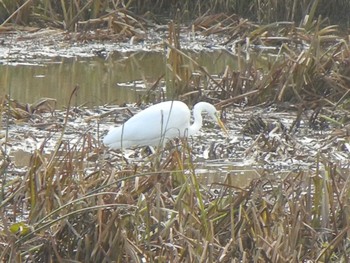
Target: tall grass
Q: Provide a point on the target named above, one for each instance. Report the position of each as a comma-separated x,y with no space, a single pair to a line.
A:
67,208
77,204
281,62
65,13
80,203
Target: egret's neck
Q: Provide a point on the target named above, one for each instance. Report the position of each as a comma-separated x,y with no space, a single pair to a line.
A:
198,120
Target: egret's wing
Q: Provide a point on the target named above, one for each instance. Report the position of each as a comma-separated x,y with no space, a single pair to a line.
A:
149,126
154,122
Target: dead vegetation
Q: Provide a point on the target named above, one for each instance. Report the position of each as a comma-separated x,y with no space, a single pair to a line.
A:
69,206
66,14
277,64
79,203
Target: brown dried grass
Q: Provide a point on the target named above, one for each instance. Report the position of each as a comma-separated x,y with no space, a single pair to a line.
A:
59,211
66,14
74,204
78,204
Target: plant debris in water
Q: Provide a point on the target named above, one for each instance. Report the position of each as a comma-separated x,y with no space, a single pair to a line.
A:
66,198
76,201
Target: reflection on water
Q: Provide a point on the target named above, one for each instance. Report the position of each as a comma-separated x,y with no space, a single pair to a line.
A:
236,174
101,80
230,175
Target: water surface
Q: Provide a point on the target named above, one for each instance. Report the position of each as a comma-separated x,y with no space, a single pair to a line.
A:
120,78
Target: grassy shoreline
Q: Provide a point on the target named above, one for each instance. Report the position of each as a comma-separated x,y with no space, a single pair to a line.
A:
76,204
66,14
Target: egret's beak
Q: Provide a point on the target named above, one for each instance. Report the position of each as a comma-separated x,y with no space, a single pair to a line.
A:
221,124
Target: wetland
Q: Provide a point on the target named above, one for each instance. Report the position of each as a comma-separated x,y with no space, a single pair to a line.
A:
283,93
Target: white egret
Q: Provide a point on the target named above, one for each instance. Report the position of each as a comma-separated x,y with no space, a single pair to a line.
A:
159,123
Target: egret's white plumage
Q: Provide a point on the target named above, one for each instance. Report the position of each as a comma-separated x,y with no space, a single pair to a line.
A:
159,123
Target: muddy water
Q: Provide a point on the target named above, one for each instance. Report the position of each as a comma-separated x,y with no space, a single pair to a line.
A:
116,79
236,176
119,78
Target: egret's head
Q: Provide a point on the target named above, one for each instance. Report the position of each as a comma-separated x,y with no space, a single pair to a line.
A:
215,115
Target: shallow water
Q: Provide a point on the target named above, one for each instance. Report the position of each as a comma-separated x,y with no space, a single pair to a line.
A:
123,77
116,79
